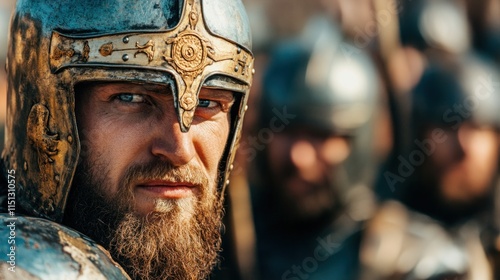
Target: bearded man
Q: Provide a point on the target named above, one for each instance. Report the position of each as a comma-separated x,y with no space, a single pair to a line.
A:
123,118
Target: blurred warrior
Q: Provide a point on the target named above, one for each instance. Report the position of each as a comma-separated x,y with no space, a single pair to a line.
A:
445,181
319,94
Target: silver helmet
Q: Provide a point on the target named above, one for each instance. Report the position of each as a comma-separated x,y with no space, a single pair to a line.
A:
323,80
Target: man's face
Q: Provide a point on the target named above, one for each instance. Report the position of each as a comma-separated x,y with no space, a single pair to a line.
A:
302,164
144,189
464,166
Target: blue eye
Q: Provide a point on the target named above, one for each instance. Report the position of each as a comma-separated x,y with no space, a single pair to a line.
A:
207,103
131,98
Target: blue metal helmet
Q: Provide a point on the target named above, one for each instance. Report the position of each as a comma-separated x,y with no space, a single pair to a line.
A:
54,45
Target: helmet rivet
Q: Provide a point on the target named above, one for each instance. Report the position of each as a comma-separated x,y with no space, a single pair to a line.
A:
125,57
239,50
126,39
227,182
246,107
253,70
231,167
236,68
70,139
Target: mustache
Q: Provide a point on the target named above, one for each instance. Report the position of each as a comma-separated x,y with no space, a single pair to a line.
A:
162,170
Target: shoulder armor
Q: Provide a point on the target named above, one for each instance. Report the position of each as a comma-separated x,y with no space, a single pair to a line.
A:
41,249
401,244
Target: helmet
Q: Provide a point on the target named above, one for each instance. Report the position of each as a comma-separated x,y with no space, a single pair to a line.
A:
55,45
322,80
36,249
435,24
453,91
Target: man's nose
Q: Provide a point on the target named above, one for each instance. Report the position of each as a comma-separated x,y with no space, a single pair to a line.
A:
172,144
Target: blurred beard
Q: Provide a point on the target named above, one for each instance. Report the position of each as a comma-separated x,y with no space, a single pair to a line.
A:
425,195
315,207
180,242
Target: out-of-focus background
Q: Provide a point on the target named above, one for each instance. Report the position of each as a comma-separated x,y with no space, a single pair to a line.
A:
6,7
394,156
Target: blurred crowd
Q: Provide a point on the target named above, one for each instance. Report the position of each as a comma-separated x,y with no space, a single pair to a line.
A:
371,145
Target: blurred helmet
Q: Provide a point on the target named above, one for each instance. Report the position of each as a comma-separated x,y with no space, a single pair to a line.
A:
54,45
450,92
322,80
435,24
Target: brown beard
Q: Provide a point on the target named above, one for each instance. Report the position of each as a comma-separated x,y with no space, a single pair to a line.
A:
161,245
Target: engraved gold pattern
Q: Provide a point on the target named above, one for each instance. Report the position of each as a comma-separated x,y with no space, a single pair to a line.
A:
188,53
148,49
86,51
106,49
39,134
59,52
46,145
189,58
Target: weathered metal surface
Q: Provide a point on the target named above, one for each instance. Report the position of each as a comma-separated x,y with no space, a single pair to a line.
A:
42,249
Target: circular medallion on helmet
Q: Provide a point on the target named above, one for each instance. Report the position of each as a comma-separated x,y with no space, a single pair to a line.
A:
189,52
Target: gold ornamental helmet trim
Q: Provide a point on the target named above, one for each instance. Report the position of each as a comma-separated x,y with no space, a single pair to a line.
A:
188,51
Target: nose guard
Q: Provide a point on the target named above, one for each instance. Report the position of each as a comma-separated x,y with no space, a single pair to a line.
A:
190,52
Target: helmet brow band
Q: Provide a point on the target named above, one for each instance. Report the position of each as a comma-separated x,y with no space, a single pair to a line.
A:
189,51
